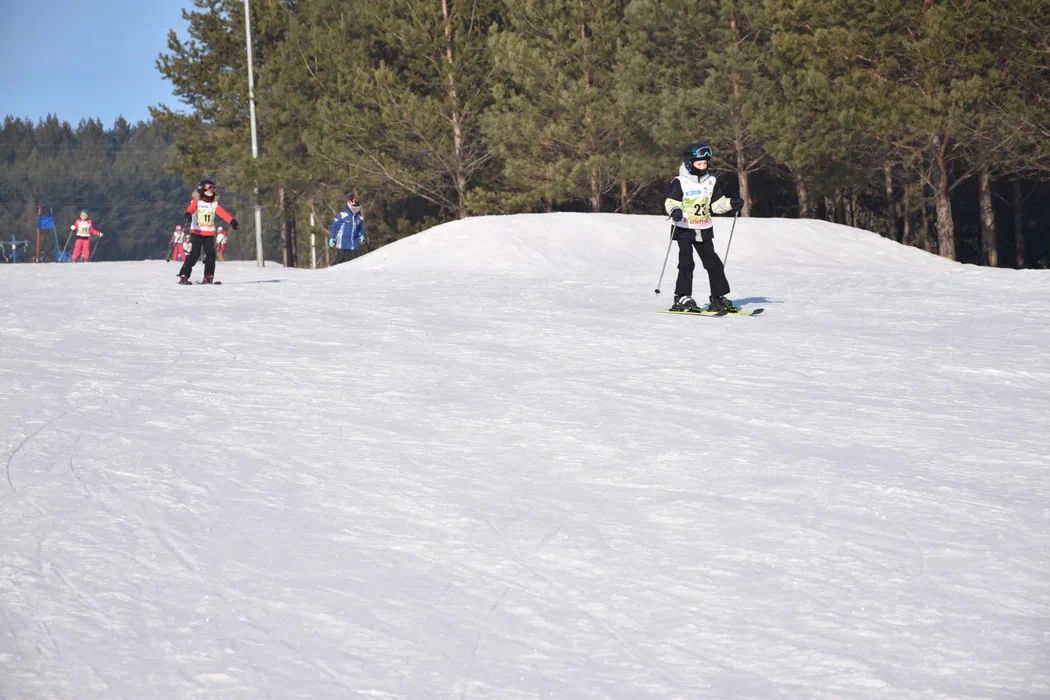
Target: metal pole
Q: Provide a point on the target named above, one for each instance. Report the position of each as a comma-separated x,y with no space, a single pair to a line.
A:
39,210
255,138
725,258
666,256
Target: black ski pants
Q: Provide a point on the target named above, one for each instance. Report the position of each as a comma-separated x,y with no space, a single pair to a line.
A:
705,248
198,242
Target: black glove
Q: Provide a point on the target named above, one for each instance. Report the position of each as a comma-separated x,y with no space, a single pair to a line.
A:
234,225
736,203
676,215
187,218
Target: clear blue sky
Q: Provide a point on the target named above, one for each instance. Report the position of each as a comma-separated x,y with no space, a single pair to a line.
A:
86,58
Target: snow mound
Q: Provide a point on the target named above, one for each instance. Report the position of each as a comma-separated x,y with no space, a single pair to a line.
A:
477,464
547,244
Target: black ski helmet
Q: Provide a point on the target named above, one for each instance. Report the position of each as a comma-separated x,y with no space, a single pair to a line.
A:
694,152
203,185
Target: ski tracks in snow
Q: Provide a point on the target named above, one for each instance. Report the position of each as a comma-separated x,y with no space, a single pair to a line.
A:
21,445
563,590
125,391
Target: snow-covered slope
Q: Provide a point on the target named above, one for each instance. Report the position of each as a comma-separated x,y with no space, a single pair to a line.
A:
475,463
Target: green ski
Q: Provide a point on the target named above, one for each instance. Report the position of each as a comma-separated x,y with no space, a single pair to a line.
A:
705,312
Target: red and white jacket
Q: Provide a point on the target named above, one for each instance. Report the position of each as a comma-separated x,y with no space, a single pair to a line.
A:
204,214
85,228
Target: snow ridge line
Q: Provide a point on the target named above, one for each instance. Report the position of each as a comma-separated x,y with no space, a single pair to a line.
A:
25,441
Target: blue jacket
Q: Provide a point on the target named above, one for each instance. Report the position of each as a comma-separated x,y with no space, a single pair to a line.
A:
348,230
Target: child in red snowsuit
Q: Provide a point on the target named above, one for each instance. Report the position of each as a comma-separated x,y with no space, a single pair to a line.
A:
85,229
176,253
200,217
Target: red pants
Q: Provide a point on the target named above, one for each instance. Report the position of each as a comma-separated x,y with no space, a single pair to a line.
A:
83,245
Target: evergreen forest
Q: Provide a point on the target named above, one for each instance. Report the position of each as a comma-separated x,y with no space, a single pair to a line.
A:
927,121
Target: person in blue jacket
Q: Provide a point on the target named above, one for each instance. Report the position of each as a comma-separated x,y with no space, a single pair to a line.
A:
347,233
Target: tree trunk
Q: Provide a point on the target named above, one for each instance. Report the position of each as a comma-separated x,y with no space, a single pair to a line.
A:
594,182
288,242
742,174
323,237
837,207
802,189
1017,198
596,191
455,116
284,230
907,236
293,239
820,209
943,201
744,182
625,186
929,243
989,231
891,203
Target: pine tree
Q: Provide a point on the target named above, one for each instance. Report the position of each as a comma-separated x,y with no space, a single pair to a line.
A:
562,128
407,84
1019,108
709,66
811,123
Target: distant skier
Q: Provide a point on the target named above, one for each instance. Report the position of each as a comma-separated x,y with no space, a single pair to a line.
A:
84,229
175,250
200,218
691,199
347,232
221,239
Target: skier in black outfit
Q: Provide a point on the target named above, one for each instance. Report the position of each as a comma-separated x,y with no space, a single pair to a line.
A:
691,199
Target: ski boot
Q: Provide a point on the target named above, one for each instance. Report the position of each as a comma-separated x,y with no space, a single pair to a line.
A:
684,303
184,279
209,279
721,305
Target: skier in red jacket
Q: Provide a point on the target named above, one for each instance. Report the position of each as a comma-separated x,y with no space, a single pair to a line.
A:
200,218
85,229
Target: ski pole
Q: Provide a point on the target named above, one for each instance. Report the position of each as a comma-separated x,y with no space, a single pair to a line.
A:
68,238
666,256
725,258
94,250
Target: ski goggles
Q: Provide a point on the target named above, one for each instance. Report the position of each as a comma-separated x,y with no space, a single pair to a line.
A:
701,153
